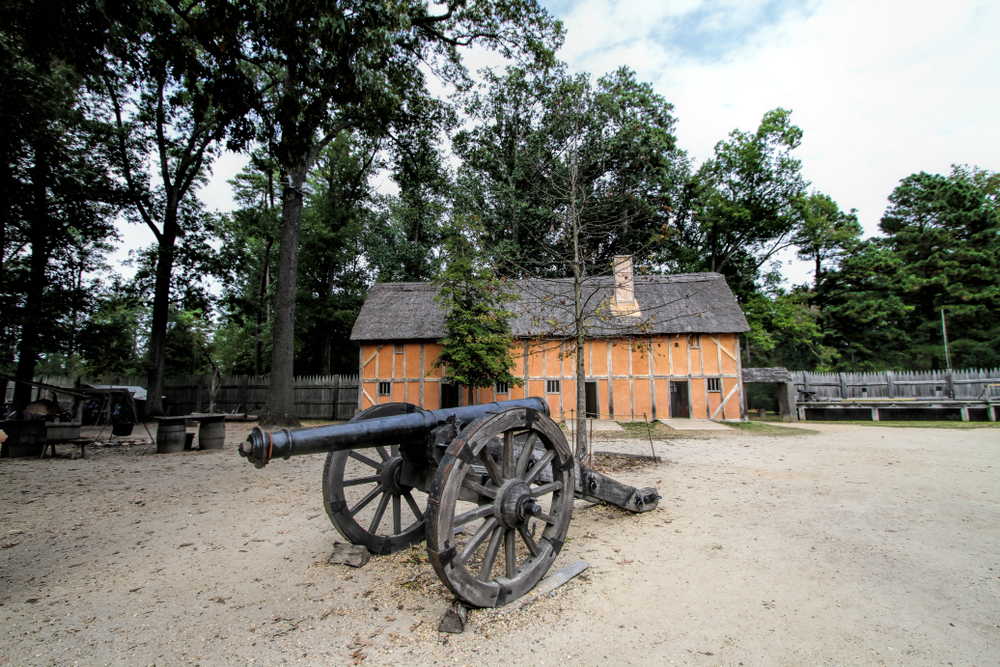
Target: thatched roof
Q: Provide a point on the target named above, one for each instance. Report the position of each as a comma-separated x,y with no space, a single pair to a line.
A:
676,304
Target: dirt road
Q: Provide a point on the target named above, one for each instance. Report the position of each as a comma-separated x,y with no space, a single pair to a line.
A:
844,545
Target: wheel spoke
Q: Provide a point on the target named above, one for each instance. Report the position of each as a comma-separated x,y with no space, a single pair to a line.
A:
547,518
473,485
491,466
477,539
510,553
528,541
362,480
417,514
539,467
382,453
544,489
367,461
508,454
472,515
379,511
397,516
491,554
526,451
367,499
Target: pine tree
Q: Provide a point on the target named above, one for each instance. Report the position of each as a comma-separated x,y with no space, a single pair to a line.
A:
477,345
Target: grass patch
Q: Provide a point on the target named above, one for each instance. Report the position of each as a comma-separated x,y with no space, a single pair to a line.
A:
762,428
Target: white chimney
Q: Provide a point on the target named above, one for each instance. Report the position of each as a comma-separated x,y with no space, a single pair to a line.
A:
624,303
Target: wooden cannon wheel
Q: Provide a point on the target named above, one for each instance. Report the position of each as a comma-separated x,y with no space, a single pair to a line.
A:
500,506
373,475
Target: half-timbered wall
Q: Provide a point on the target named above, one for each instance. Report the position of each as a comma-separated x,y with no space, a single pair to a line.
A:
632,379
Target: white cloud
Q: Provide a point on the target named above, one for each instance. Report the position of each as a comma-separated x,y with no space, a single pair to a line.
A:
881,89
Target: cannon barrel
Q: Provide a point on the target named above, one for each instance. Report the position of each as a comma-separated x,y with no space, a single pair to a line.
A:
411,428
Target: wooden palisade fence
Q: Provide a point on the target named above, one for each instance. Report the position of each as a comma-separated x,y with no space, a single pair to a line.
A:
961,385
316,396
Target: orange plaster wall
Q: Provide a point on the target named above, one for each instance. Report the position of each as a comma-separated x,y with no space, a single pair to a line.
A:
729,363
696,360
619,361
369,369
697,397
431,353
641,397
517,354
600,360
640,360
384,360
412,361
623,404
678,348
711,352
372,389
661,362
535,351
662,399
552,367
398,392
733,405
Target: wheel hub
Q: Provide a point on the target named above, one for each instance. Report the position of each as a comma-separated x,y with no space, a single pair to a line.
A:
391,470
515,504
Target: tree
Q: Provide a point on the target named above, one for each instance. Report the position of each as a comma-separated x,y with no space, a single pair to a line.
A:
743,205
826,235
940,252
566,175
56,213
476,349
172,101
323,67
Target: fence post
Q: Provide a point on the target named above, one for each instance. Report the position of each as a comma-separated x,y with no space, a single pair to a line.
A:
843,385
950,376
890,384
336,395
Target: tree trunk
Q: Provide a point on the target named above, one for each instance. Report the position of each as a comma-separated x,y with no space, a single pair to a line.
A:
280,407
265,284
27,355
161,309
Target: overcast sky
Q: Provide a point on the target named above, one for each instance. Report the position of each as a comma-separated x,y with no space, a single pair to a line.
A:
881,88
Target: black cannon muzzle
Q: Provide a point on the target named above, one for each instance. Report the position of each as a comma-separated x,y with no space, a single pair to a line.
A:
401,429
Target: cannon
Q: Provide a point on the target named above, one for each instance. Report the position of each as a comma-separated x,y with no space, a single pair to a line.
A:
489,487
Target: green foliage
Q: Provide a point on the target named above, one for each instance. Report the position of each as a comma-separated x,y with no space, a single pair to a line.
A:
556,162
476,349
742,206
941,251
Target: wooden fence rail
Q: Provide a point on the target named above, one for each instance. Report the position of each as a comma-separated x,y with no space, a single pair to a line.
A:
316,396
967,384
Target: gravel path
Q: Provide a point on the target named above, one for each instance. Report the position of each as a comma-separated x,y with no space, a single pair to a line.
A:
847,545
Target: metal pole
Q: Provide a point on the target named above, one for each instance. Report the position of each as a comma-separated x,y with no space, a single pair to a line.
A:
944,332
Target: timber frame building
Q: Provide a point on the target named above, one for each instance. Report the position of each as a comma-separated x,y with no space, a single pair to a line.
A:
656,347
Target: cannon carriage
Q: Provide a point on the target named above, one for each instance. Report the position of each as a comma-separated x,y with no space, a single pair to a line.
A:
489,487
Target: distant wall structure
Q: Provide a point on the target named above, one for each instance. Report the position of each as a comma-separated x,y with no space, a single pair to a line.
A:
333,397
966,395
786,388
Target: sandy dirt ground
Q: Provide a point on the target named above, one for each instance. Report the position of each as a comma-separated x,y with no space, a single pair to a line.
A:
839,545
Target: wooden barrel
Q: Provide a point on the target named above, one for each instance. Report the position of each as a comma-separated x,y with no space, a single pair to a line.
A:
212,433
170,435
24,438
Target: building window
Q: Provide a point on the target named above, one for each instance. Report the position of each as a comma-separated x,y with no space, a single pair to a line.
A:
694,340
398,347
384,388
503,388
552,386
715,384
